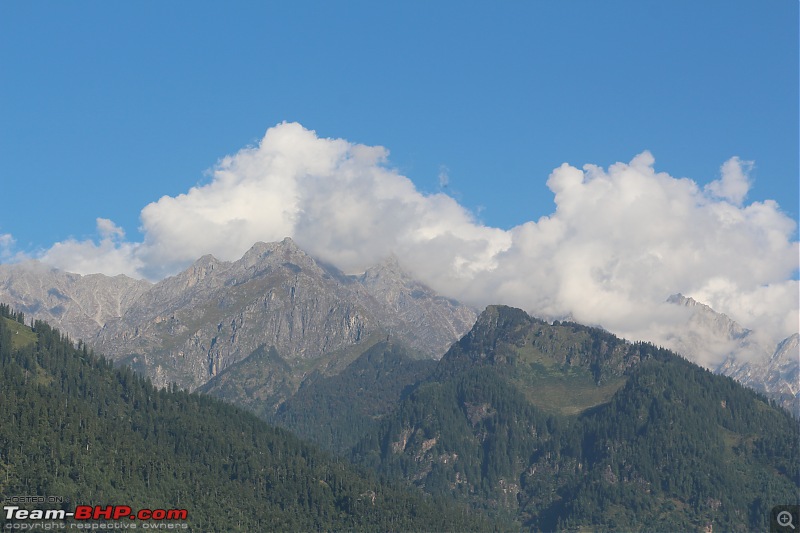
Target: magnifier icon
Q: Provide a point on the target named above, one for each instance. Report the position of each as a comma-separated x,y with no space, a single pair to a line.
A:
785,519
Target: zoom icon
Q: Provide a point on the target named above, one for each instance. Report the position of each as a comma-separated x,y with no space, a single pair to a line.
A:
784,518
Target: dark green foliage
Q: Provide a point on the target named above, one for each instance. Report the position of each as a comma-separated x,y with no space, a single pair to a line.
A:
74,426
334,411
676,449
7,312
468,437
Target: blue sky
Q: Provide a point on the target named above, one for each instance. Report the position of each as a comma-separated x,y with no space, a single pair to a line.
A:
106,107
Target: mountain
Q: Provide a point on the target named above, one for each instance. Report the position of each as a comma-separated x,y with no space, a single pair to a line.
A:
731,350
79,305
77,428
189,327
330,401
710,337
414,312
562,426
334,411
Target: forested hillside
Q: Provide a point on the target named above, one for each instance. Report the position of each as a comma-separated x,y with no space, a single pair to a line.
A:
335,411
77,428
567,427
532,426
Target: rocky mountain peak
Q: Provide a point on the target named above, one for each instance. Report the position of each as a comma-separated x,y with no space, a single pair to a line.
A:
263,249
208,262
212,315
680,299
501,317
388,268
200,270
436,321
497,323
388,278
788,346
285,252
709,321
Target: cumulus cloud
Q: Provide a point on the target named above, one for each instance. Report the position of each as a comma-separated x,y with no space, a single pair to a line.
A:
110,256
620,241
734,183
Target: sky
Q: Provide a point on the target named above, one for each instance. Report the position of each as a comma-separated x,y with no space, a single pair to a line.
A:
572,158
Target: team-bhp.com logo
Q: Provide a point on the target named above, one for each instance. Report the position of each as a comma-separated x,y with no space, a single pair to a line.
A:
117,512
87,512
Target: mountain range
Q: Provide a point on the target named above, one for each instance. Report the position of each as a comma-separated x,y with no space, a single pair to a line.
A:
192,327
188,328
530,424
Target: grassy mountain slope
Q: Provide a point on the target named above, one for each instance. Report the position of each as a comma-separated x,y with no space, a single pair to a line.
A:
562,368
76,427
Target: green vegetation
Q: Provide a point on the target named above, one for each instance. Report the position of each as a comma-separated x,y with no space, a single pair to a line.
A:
15,322
677,448
21,336
659,443
76,427
536,426
335,411
263,380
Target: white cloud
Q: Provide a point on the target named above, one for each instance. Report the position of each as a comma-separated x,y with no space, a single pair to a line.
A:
110,256
620,241
734,183
108,230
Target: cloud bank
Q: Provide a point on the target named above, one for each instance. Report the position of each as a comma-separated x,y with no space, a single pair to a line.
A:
620,241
